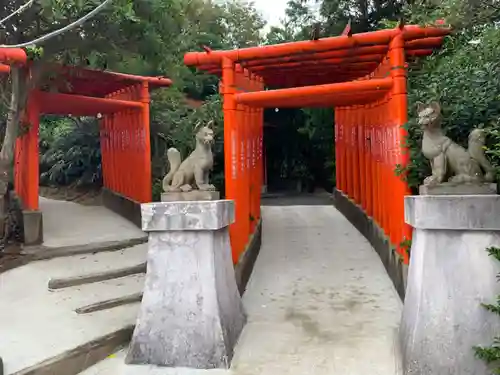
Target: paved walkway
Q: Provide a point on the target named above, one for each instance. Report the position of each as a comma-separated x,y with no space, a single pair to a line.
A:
68,223
319,302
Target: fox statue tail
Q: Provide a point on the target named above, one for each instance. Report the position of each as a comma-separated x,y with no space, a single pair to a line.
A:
477,141
174,161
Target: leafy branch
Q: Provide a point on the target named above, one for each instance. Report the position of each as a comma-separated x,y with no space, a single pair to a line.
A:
491,354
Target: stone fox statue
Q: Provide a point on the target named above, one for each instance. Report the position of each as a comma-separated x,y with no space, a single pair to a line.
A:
194,171
448,158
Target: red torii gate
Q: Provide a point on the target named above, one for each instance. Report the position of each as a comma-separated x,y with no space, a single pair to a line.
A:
363,76
122,103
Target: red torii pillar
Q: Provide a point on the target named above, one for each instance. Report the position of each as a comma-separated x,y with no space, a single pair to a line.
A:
243,151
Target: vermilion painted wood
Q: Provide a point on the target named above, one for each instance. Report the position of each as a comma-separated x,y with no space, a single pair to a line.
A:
425,45
125,138
381,37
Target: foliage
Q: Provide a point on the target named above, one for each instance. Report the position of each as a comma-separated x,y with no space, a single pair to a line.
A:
218,25
460,14
173,125
139,37
463,77
493,149
365,15
70,152
405,245
491,354
299,147
318,127
123,29
309,154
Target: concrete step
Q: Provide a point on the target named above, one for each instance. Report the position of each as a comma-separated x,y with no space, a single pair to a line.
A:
41,333
77,359
83,264
89,268
88,294
59,283
42,252
110,303
115,365
72,224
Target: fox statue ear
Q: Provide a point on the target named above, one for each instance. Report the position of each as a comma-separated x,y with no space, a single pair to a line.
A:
210,124
420,106
197,126
435,107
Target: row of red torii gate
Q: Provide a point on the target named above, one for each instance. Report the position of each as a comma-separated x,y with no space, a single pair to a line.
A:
362,76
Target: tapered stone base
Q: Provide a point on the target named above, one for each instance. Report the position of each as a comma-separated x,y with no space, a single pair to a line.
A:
450,275
191,313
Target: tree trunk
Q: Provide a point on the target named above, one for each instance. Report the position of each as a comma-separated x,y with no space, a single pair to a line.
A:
13,116
363,20
18,97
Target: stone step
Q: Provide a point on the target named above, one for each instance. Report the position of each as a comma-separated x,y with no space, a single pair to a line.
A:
115,365
80,296
41,330
86,268
110,303
77,359
53,341
44,252
88,278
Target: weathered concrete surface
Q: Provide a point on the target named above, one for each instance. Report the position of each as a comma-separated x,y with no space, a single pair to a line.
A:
33,227
123,206
448,188
115,365
319,302
191,312
244,268
78,359
453,212
394,265
67,223
187,216
193,195
37,324
450,275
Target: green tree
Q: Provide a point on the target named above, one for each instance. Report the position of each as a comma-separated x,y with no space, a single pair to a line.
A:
121,30
196,23
365,15
462,76
222,25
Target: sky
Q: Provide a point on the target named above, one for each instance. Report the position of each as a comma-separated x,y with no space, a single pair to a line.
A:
272,10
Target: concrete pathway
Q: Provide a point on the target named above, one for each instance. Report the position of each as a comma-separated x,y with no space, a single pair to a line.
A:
319,302
68,223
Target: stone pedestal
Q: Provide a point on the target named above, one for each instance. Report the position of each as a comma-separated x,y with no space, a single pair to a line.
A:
191,314
450,275
33,227
449,188
193,195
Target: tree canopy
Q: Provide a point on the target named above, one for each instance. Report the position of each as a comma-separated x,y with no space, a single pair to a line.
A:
146,37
